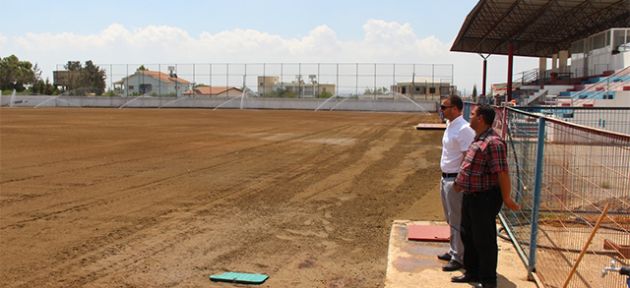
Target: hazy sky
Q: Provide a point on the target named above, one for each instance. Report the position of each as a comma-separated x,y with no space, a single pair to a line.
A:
347,31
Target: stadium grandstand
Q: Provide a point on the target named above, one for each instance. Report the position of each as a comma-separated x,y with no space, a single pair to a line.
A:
567,137
588,43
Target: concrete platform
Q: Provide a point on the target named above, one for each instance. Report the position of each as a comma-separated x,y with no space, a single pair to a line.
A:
414,264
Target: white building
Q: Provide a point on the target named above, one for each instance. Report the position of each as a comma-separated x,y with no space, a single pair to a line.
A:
600,53
152,83
271,85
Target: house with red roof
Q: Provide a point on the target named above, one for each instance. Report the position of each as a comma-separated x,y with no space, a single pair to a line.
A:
153,83
205,90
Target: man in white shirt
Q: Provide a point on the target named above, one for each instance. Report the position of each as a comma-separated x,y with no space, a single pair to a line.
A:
455,142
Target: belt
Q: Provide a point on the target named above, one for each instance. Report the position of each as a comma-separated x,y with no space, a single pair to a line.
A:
449,175
483,192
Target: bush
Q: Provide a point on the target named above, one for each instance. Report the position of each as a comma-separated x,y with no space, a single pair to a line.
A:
325,94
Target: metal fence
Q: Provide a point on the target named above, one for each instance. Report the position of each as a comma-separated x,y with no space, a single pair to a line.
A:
348,79
564,176
616,119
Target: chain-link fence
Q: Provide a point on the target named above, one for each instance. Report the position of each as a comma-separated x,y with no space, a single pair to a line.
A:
565,176
309,86
274,79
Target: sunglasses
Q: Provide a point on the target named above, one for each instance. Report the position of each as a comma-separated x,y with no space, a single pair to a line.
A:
444,107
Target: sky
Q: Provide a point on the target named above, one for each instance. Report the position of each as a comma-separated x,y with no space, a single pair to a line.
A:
51,33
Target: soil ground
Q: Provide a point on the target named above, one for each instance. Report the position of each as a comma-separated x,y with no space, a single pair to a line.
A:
165,198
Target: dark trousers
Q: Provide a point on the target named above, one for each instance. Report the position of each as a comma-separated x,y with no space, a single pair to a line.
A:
479,234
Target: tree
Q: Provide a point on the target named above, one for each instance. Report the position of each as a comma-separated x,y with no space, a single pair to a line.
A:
44,88
94,77
83,80
474,93
14,74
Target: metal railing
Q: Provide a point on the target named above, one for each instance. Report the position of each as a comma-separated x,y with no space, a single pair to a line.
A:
616,119
565,175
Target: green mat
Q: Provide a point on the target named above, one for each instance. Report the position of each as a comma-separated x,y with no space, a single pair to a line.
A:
236,277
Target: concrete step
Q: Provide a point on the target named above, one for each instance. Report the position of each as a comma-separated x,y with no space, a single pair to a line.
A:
414,264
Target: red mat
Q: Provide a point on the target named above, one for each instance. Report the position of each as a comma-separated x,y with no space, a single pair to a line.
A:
436,233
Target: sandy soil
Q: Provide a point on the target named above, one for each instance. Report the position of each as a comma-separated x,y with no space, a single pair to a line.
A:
165,198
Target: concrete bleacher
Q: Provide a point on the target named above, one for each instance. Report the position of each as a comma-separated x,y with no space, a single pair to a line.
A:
601,87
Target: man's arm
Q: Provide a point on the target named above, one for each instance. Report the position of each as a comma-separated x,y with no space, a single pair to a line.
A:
456,187
506,187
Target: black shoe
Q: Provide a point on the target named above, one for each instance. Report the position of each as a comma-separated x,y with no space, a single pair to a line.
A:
485,285
445,257
452,266
465,278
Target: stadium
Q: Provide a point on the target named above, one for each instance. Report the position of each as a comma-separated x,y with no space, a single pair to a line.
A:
307,172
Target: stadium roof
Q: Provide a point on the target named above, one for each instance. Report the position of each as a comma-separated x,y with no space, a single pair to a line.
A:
537,28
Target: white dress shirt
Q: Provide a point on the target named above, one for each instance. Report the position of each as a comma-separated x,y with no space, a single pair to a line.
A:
455,142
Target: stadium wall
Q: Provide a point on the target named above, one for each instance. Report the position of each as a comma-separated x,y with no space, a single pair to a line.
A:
337,103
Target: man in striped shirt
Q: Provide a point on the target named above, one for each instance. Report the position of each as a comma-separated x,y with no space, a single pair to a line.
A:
485,182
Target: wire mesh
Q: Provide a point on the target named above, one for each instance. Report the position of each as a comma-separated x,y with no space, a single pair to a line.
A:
348,79
583,170
616,119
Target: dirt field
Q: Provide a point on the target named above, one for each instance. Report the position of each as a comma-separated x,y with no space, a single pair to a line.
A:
165,198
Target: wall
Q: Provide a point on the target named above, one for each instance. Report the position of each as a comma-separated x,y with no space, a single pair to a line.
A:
385,105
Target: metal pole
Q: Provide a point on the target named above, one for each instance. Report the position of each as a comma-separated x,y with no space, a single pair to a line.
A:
394,78
176,82
485,71
264,79
433,80
413,81
337,82
111,75
281,76
318,79
510,66
374,91
356,80
160,82
227,76
531,265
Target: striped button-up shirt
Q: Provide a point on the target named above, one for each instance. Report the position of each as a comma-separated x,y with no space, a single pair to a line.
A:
485,158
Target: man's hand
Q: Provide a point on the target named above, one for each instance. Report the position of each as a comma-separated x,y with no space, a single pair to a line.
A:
511,204
457,188
506,187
